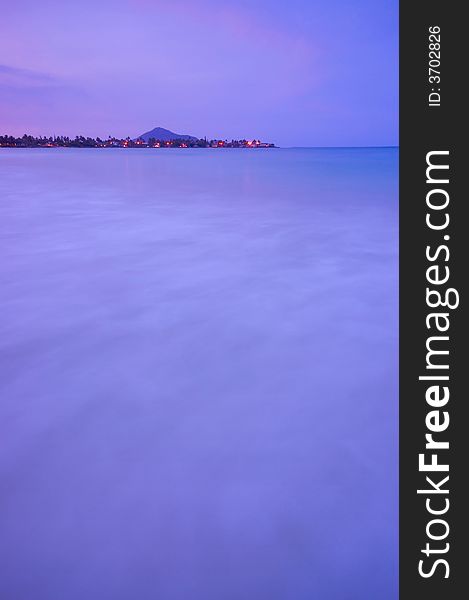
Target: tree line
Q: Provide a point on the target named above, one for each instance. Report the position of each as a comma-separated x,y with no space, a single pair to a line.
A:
80,141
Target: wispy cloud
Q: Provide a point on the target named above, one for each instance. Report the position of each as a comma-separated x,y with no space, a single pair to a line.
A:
35,102
242,22
14,77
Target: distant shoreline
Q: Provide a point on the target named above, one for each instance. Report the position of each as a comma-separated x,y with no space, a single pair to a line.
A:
28,141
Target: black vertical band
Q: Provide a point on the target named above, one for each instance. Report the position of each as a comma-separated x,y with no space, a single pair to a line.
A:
434,240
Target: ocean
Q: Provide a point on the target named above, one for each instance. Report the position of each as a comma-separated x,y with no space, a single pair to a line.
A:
199,380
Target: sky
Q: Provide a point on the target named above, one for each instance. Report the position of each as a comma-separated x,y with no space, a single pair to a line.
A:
296,72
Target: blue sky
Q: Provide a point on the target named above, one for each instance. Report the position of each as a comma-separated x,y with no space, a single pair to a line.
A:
302,72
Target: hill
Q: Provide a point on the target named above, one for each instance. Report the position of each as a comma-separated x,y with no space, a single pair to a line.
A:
165,135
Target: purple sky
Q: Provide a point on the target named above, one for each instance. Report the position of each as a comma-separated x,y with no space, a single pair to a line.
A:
302,72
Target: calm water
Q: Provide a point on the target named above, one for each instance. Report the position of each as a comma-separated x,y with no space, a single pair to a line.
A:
199,374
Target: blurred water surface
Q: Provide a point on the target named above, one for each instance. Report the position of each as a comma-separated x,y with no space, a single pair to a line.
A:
198,374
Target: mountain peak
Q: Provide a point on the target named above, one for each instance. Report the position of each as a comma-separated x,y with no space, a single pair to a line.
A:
165,135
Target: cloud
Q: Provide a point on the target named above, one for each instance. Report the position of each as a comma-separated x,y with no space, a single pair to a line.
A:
242,22
14,77
35,102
